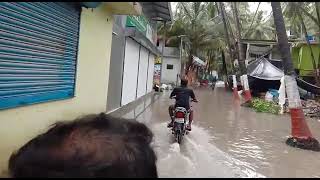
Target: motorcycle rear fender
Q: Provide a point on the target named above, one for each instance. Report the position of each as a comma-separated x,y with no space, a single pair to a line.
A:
178,127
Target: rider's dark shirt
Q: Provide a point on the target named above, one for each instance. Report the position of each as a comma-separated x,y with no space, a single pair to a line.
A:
183,95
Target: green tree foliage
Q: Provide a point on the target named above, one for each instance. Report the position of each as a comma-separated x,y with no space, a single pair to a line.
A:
202,25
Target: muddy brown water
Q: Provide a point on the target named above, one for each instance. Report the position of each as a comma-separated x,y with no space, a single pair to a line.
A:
229,141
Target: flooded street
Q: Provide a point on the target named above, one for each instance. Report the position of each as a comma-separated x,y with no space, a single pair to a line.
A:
228,141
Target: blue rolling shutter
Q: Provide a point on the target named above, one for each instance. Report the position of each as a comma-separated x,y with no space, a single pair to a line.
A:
38,51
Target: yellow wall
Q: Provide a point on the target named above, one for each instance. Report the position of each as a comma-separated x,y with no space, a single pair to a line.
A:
19,125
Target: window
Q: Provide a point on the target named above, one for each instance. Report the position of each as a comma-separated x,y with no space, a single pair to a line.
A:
38,63
169,66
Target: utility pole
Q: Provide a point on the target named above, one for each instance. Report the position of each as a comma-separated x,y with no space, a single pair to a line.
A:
241,58
240,50
226,31
301,134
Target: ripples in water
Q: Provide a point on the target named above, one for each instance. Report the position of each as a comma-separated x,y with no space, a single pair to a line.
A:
195,157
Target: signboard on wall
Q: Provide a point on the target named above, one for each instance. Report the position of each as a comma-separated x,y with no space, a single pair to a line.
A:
157,73
158,60
149,33
139,22
142,25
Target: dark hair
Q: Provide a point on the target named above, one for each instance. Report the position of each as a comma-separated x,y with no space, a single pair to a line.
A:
91,146
184,82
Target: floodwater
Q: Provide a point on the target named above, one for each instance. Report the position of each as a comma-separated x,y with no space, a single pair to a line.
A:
228,141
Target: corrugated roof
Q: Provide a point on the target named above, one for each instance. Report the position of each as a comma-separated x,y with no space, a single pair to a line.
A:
299,44
158,11
198,61
264,42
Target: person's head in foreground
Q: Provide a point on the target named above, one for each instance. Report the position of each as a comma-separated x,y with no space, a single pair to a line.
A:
184,82
91,146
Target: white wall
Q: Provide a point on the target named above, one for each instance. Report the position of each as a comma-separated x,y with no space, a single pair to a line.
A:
170,75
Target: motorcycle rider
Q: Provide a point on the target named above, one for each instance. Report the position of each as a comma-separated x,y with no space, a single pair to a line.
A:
183,95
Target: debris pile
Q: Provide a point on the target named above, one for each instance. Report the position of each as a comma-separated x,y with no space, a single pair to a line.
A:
311,108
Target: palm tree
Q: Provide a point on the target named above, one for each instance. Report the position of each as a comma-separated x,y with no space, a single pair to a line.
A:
202,25
317,4
211,53
253,19
261,30
193,16
304,8
224,64
293,9
294,12
218,41
245,17
253,25
290,12
300,129
317,75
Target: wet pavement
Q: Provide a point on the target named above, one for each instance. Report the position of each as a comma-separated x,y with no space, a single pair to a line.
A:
228,141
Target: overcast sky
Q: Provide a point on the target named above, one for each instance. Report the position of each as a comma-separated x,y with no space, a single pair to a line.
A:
266,7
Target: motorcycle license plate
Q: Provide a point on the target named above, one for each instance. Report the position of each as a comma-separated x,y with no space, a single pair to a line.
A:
179,120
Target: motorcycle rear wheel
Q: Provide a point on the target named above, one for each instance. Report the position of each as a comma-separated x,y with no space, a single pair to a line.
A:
179,138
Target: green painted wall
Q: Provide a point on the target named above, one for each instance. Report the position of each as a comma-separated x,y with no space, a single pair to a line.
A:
305,60
295,57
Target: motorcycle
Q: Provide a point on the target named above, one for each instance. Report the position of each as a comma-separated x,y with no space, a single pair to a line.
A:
213,84
181,121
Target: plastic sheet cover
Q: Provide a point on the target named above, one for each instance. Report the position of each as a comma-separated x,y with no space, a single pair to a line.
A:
261,68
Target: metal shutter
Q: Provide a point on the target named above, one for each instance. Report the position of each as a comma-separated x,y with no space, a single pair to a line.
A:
143,72
130,71
38,51
150,73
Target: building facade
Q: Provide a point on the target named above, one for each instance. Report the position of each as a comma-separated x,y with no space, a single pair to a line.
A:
171,66
54,58
134,54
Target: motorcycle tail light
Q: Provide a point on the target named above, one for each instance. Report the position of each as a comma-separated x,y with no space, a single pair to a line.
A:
179,115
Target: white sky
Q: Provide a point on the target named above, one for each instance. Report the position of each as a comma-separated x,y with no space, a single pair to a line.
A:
264,6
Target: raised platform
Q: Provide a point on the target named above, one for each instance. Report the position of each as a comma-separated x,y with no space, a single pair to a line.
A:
135,108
